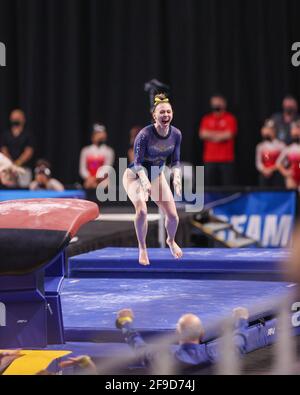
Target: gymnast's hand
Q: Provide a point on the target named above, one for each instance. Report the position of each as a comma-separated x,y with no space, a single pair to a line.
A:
146,185
177,181
124,316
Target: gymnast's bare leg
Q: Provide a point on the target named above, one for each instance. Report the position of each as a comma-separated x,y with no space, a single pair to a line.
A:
163,197
138,198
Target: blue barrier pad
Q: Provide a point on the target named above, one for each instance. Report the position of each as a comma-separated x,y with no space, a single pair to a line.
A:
258,336
195,260
24,194
90,305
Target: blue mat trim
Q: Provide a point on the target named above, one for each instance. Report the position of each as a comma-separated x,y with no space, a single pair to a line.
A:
25,194
114,262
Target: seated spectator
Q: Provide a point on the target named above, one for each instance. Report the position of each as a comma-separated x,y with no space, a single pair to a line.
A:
94,156
43,178
267,153
8,171
218,130
191,352
18,145
288,162
132,135
284,119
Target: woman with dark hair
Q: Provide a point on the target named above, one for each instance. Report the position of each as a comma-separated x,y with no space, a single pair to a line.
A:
144,177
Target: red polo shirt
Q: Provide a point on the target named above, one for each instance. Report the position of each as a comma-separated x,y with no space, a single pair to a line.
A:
219,151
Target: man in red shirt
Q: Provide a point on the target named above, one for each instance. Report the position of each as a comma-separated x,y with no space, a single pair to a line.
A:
218,130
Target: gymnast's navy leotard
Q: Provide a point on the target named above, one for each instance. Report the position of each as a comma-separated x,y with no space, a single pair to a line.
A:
152,150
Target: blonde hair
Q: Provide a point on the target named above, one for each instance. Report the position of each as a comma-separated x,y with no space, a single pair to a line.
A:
159,99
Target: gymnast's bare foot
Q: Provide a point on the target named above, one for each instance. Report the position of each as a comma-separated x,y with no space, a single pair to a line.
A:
143,258
175,249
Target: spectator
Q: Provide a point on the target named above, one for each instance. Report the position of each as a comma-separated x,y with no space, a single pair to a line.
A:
267,153
8,171
218,130
18,145
94,156
284,119
288,162
191,352
43,179
132,135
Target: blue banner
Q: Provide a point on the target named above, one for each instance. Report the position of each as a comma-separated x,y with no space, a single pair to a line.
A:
267,217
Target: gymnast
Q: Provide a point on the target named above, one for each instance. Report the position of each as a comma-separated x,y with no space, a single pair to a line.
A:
144,177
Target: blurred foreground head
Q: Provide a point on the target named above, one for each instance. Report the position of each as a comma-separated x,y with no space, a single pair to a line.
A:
190,329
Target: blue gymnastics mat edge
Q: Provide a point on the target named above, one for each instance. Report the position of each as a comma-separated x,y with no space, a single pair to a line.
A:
112,260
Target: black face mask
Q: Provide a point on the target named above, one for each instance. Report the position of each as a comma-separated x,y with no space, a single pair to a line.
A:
296,140
289,110
217,108
15,123
100,143
268,138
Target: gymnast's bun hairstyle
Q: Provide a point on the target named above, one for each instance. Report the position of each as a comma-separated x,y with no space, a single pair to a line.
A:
160,98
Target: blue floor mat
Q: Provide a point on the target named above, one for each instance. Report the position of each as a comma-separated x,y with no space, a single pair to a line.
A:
157,303
113,259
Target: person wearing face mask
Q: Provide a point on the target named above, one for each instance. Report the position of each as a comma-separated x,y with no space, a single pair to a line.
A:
43,179
218,130
95,156
17,144
284,119
288,162
267,153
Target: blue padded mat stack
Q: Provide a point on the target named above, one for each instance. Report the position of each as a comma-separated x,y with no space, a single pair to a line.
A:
104,281
196,263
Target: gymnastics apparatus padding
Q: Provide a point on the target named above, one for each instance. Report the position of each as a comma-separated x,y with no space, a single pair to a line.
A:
33,236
